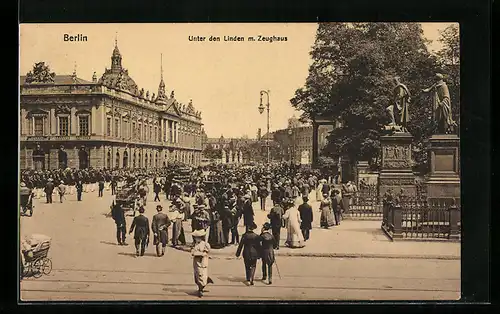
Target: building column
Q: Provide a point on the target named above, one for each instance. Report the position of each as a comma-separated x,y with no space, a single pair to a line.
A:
72,121
52,122
93,120
315,152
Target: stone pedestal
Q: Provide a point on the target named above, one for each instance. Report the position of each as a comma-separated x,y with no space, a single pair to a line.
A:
443,180
396,170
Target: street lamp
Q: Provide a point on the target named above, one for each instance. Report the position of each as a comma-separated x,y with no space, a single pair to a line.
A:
261,110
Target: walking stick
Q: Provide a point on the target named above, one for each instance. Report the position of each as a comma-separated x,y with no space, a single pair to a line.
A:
277,268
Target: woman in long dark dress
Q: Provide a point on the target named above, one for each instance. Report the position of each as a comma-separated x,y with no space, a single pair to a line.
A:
216,235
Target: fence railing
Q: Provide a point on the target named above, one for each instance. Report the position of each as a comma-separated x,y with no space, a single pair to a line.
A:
364,204
420,218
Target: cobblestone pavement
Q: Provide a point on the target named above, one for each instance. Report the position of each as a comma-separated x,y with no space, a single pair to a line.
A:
89,265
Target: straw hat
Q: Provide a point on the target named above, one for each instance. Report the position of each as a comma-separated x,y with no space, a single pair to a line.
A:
199,233
23,184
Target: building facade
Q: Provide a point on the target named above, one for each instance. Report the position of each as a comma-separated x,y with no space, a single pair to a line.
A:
66,121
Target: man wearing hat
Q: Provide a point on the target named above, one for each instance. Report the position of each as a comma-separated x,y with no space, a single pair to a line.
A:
118,215
250,244
267,244
248,213
141,234
160,225
275,217
337,206
49,189
306,215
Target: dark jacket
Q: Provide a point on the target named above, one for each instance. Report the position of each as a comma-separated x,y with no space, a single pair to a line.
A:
79,186
141,225
248,213
306,215
267,247
49,187
118,214
250,243
275,216
160,222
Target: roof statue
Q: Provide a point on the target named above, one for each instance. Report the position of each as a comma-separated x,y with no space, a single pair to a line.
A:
172,94
94,78
190,107
40,74
73,76
141,93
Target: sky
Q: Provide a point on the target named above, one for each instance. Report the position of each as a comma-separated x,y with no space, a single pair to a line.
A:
224,78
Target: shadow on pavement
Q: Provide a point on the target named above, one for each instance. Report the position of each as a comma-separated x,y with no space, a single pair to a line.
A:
232,279
109,243
133,254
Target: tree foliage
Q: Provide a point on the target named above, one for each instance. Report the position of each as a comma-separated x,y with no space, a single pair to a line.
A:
350,79
211,153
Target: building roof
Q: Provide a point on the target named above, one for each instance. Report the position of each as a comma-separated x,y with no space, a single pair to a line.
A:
58,80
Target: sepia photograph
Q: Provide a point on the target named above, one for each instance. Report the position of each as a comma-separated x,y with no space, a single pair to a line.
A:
239,162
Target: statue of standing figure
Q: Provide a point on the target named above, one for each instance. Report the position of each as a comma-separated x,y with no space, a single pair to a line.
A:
398,110
441,105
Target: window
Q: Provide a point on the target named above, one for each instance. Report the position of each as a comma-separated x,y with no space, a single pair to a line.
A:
125,129
63,126
140,131
83,126
38,126
134,131
108,127
117,126
150,133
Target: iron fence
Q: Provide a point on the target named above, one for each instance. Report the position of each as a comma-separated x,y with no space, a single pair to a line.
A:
365,204
421,218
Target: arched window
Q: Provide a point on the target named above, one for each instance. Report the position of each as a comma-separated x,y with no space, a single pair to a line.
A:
146,160
117,160
156,159
134,159
125,159
108,160
38,158
140,160
83,158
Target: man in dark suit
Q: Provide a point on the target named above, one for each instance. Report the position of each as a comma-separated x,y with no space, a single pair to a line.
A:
49,189
250,243
141,235
248,214
118,215
79,190
101,186
337,206
160,225
306,215
267,244
275,217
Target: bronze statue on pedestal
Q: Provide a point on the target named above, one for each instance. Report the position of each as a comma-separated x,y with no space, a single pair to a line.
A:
441,105
398,110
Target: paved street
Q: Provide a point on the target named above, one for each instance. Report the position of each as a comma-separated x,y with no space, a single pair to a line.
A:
88,265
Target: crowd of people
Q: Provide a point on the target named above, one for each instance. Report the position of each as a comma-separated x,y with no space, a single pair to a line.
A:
215,199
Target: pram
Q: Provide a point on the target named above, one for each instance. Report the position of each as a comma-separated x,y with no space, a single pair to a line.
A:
36,260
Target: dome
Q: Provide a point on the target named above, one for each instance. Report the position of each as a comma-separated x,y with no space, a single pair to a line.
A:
119,80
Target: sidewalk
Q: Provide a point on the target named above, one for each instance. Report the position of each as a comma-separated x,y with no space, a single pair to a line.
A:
353,239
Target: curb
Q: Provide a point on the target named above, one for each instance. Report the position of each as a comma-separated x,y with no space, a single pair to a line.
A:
341,255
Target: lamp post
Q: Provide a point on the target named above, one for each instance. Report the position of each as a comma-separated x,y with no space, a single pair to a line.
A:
261,110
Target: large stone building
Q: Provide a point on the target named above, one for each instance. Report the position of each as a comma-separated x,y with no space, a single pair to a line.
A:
66,121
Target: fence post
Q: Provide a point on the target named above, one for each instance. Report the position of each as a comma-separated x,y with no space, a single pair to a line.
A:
397,217
454,216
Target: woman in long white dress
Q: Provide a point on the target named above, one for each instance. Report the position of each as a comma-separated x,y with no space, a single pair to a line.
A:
294,238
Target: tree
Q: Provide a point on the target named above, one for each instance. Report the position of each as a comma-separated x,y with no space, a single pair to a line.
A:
351,79
211,153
